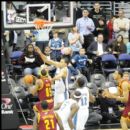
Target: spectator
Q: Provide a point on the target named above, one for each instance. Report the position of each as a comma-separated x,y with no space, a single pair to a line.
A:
81,62
56,44
13,39
77,11
97,48
30,60
95,51
11,13
27,34
110,27
121,26
75,40
96,13
60,11
8,48
118,46
128,47
102,28
47,52
85,26
42,36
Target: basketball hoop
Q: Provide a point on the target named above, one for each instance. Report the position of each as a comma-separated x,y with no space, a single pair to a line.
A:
40,23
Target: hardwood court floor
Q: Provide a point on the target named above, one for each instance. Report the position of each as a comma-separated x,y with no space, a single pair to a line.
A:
105,127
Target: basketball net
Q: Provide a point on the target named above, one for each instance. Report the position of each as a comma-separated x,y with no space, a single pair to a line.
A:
40,23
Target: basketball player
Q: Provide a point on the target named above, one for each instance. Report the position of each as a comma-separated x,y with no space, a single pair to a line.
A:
61,78
122,95
43,88
67,111
82,115
46,119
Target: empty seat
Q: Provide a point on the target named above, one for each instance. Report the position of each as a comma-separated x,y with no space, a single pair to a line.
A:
109,63
98,79
124,61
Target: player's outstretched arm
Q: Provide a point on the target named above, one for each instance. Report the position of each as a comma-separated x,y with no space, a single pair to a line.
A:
74,110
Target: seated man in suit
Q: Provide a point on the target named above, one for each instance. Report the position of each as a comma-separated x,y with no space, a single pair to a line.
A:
97,49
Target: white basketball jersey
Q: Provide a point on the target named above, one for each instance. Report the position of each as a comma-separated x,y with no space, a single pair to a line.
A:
65,108
60,85
83,113
84,101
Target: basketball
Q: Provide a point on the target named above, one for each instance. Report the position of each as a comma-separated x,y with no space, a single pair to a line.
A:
28,79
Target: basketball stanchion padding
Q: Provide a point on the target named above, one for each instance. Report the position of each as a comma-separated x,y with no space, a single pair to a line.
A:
26,127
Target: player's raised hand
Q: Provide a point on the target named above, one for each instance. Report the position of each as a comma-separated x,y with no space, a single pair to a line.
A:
37,49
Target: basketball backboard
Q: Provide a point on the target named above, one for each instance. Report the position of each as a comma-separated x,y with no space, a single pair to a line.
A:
20,15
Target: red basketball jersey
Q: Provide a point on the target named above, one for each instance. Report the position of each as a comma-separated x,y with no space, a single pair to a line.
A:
38,108
45,92
47,120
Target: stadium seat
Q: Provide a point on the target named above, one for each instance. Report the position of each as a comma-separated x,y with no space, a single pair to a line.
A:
124,61
98,79
111,79
92,87
109,63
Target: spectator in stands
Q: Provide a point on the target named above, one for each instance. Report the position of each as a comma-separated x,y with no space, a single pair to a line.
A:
30,60
42,36
11,13
110,27
118,46
7,47
60,11
85,26
75,40
121,26
102,28
98,48
129,30
128,47
95,51
96,13
47,52
13,38
56,44
77,11
81,62
67,51
27,34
